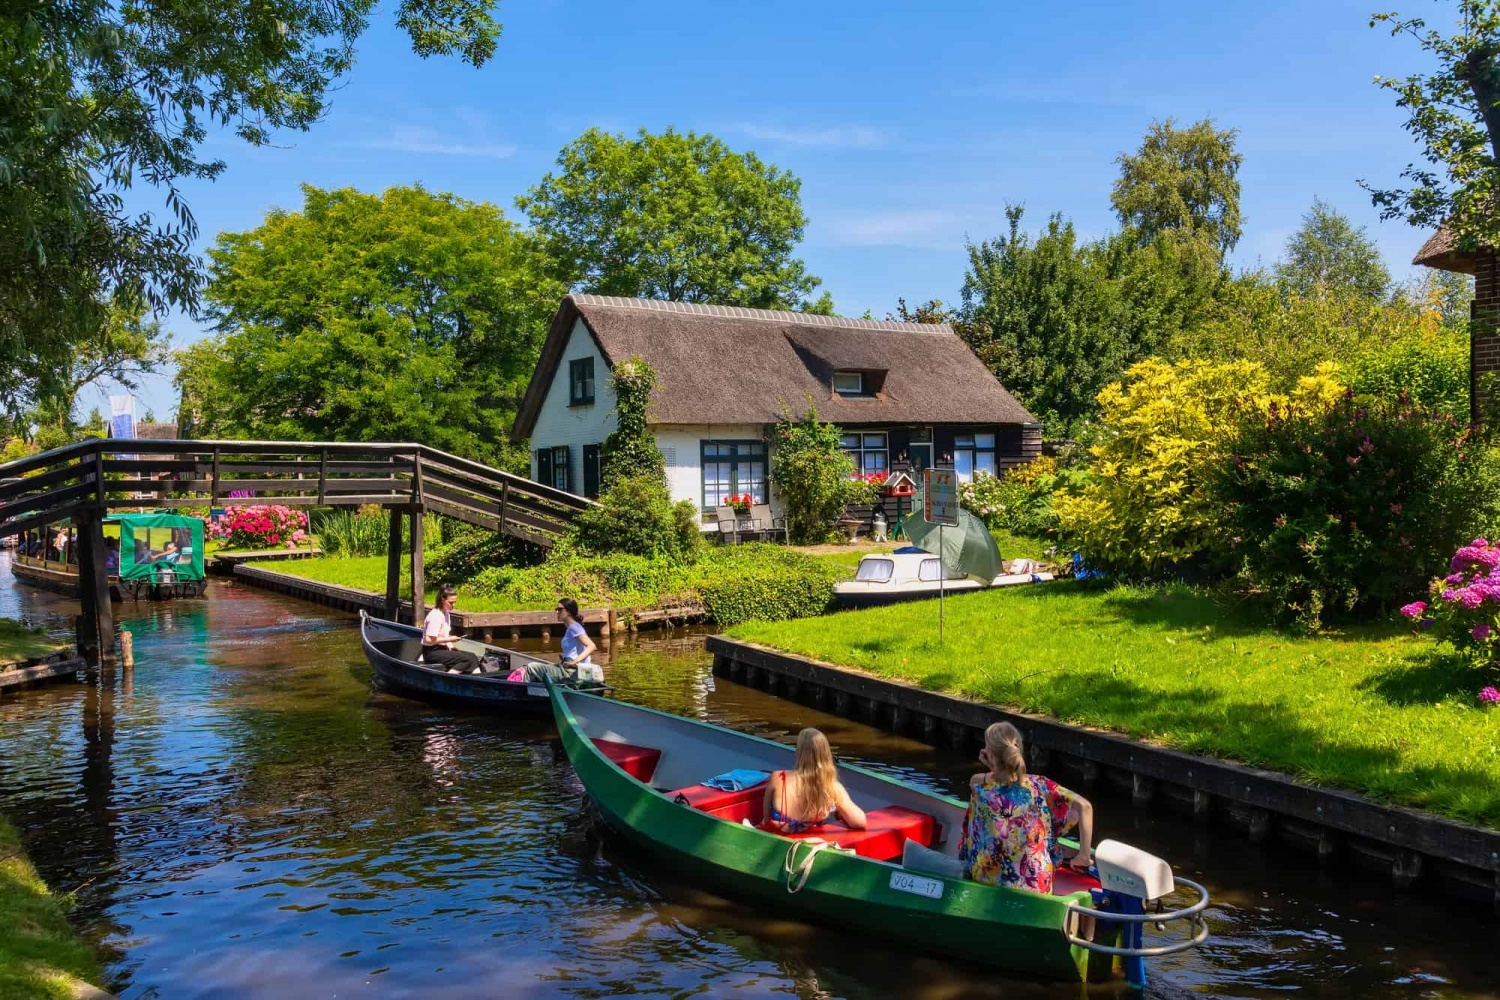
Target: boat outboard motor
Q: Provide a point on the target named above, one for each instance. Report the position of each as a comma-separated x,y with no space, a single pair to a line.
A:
1130,880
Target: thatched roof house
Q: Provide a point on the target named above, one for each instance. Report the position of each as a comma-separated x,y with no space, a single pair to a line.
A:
906,394
1442,252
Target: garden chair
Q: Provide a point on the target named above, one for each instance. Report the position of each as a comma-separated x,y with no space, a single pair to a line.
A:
764,522
729,528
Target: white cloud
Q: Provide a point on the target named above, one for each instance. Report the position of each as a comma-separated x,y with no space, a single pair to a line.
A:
913,227
432,142
833,137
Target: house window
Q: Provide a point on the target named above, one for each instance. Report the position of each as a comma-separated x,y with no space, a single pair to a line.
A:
731,468
561,460
581,382
849,383
973,454
869,452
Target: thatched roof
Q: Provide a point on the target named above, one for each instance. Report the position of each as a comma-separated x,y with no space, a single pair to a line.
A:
730,365
1441,251
156,431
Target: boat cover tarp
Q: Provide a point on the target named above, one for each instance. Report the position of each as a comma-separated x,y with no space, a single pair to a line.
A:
154,546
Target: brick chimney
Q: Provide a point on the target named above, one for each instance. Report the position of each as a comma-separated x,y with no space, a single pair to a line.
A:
1484,313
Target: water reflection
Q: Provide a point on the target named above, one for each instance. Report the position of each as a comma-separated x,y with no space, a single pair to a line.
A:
253,820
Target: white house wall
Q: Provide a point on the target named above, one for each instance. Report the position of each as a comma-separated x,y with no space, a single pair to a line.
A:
682,447
557,423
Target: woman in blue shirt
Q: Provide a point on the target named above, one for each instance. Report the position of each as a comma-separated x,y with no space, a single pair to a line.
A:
577,648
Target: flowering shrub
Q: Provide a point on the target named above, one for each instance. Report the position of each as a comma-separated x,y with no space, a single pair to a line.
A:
260,527
741,502
1464,606
864,489
1353,505
1019,500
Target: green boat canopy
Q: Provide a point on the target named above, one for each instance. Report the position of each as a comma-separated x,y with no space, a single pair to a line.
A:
969,548
162,548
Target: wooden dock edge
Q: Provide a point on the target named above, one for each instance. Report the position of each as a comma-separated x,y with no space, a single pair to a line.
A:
30,672
1414,847
487,626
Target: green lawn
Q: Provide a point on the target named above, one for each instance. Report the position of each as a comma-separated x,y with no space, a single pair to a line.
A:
1373,709
40,956
19,643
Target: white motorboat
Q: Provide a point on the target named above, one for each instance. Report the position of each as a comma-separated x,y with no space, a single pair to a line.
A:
911,574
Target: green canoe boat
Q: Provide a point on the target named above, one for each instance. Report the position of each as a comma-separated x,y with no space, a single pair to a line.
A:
644,769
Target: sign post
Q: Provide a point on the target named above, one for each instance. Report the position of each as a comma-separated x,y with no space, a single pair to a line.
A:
940,507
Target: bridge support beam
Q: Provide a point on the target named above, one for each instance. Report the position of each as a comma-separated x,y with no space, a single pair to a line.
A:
393,567
96,632
418,584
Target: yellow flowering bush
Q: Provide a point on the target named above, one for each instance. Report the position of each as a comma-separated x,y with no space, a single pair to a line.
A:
1163,428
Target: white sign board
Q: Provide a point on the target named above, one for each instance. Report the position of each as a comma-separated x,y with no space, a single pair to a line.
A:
940,503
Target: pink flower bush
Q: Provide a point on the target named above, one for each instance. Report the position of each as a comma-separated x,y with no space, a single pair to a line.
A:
259,527
1464,607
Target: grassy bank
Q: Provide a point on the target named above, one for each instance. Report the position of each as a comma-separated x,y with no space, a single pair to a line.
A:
1373,709
733,584
40,956
17,642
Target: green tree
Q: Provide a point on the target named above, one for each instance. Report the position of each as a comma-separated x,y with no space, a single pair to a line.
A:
1041,314
630,449
1331,255
674,216
1454,114
1181,179
131,346
97,95
811,474
406,316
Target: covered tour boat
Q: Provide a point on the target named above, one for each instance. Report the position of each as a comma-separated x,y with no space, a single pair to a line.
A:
912,574
395,650
898,879
153,556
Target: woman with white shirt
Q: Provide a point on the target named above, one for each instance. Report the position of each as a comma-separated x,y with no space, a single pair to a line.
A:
438,639
577,648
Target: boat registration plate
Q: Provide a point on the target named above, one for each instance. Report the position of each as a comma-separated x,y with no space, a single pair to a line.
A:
536,691
930,887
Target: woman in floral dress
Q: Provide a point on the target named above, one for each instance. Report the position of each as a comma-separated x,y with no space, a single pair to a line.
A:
1014,818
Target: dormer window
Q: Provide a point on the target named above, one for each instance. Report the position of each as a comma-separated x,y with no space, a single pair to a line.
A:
849,383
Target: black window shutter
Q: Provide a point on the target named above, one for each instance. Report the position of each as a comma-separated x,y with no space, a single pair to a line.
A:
544,466
591,470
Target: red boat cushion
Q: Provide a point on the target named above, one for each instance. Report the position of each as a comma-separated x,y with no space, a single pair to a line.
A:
638,762
733,806
886,831
1066,880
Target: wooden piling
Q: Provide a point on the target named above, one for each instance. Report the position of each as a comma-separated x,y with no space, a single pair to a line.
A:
393,567
418,584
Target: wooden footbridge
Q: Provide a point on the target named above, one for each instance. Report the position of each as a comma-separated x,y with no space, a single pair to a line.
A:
85,481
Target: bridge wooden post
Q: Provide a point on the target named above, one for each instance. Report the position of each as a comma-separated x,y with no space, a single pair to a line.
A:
393,568
418,584
96,635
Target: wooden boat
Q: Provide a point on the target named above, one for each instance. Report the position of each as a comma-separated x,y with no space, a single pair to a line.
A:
394,649
645,770
913,575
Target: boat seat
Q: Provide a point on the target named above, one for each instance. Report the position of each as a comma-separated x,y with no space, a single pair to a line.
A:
733,806
886,832
638,762
1066,880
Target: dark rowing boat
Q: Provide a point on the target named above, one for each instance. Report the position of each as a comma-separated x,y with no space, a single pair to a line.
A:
394,650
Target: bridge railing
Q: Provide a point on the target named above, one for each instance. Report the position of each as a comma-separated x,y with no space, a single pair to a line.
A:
109,473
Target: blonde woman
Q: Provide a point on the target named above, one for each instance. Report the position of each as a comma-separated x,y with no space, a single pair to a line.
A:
810,794
1014,818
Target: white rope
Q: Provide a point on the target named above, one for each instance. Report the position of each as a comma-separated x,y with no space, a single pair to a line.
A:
796,871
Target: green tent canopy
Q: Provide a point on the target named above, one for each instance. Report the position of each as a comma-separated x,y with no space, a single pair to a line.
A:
162,548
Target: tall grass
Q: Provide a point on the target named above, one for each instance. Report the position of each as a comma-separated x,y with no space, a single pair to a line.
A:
366,531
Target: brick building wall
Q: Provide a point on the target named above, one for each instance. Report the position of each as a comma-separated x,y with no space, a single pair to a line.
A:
1484,329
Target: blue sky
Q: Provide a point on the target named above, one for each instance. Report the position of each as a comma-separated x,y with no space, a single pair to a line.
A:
910,125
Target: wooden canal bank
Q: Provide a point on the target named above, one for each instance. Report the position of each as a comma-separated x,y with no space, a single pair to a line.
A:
486,626
40,670
1417,849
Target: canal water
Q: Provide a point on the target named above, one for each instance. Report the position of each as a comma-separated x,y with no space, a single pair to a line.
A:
245,817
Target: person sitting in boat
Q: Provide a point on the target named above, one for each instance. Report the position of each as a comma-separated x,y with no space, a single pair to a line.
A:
810,794
1011,827
112,554
577,648
438,639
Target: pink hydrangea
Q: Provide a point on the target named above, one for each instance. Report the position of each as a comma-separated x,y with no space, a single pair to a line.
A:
1480,632
1414,610
1490,696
